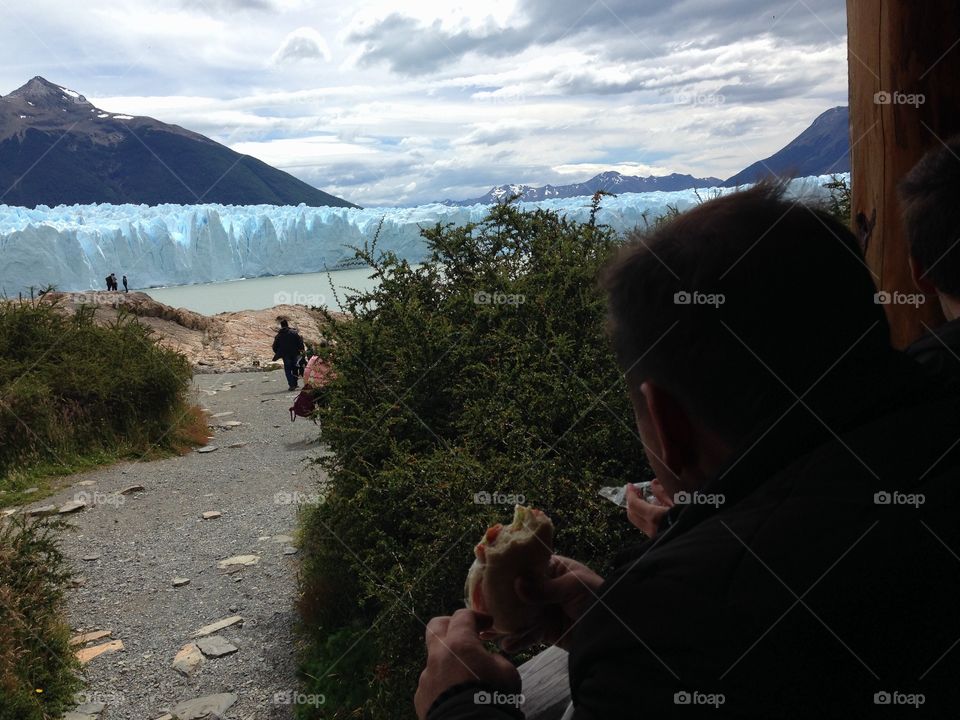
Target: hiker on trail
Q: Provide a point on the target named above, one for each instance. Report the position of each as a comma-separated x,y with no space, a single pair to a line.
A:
806,568
114,285
288,345
929,195
126,288
109,281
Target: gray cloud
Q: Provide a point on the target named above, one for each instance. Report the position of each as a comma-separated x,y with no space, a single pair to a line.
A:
620,28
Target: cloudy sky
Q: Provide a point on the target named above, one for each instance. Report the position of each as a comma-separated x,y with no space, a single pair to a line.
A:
392,103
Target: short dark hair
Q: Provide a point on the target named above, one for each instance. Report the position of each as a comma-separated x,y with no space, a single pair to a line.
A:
931,212
284,323
736,298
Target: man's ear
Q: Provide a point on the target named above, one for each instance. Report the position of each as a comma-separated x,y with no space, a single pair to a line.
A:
920,279
673,428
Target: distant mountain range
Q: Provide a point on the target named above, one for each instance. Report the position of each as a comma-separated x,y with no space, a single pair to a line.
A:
821,149
58,149
610,181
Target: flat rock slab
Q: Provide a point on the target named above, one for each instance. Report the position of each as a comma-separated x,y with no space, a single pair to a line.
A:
203,707
288,550
72,506
218,626
74,715
207,449
237,445
90,708
238,560
87,654
84,638
91,558
283,539
180,582
222,414
87,483
187,660
211,515
230,424
43,510
132,489
9,511
216,646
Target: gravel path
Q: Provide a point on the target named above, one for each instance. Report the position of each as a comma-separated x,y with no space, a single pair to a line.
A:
128,549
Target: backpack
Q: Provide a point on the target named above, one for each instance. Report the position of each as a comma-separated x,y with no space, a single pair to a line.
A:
303,406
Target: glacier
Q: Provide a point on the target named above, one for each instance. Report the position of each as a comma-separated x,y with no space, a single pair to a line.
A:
75,247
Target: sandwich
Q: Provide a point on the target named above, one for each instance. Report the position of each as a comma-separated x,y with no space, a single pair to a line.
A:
505,553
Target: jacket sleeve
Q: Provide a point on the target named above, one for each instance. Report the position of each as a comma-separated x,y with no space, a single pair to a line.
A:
466,702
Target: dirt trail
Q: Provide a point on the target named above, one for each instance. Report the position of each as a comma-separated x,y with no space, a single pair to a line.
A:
130,550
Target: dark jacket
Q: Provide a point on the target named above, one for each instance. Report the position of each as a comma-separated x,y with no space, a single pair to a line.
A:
287,344
939,352
803,594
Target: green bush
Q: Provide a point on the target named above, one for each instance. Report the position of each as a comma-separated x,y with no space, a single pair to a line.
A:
37,667
71,389
484,370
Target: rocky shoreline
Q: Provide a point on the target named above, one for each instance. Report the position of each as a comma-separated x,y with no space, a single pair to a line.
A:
227,342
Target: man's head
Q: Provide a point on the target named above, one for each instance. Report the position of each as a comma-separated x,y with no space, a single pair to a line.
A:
722,317
932,215
284,324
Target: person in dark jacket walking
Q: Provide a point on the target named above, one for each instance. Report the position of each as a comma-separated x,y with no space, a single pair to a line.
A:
126,287
808,567
929,195
288,345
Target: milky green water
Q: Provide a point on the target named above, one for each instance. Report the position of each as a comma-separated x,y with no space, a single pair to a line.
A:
259,293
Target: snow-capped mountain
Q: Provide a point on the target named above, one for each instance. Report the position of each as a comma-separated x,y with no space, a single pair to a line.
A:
57,148
613,182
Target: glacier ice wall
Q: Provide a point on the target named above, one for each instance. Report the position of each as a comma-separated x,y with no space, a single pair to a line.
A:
76,247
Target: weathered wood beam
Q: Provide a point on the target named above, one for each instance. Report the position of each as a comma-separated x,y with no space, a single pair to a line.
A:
904,75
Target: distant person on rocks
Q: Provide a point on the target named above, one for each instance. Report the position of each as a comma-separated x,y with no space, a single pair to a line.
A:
932,217
113,282
126,287
109,281
288,345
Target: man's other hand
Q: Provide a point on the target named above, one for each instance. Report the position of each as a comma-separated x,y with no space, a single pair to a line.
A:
456,654
646,515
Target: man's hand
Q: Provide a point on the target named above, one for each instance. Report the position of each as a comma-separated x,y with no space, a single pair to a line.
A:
643,514
455,654
570,589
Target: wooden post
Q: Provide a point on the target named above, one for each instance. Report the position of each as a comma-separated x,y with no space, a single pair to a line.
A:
904,74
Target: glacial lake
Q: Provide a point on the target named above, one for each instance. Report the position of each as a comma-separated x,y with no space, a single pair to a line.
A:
265,292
